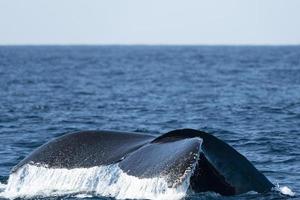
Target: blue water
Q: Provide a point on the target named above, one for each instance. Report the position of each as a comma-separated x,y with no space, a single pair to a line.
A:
247,96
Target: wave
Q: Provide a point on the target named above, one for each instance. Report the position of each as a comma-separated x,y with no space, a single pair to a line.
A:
109,181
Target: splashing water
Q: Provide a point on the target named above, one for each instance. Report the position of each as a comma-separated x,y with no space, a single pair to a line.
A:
285,190
2,187
109,181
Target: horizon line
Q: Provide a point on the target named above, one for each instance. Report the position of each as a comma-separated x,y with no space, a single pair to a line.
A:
150,44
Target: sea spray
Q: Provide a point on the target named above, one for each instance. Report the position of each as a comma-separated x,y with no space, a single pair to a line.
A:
2,187
109,181
284,190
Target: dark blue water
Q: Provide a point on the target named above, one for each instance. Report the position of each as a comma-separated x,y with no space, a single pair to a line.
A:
247,96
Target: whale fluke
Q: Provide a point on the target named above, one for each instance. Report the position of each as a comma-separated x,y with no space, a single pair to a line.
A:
86,149
182,156
230,170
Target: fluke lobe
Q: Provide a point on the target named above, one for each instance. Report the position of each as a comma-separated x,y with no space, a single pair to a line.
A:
213,164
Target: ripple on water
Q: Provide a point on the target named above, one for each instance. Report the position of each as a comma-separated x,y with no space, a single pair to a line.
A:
247,96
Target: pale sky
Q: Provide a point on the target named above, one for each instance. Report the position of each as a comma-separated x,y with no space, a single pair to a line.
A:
150,22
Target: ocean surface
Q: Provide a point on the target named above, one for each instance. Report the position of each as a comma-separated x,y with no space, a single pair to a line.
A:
248,96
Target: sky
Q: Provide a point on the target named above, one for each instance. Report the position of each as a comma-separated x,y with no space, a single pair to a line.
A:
195,22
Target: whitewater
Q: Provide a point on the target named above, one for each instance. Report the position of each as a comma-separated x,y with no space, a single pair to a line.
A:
109,181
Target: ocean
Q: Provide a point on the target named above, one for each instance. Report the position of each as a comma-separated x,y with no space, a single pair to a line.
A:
248,96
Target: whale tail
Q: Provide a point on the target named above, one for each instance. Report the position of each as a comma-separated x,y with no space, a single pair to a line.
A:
184,156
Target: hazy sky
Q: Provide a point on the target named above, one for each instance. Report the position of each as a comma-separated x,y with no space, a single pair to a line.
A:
150,22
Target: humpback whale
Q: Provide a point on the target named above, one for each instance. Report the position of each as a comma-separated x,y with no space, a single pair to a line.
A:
206,162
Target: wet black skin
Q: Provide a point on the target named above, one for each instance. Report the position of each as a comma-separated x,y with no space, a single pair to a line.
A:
217,166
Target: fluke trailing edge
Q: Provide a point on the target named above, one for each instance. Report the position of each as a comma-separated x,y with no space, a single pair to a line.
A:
208,163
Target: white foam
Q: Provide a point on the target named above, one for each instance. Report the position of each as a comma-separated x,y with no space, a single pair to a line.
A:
83,196
2,187
285,191
108,181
